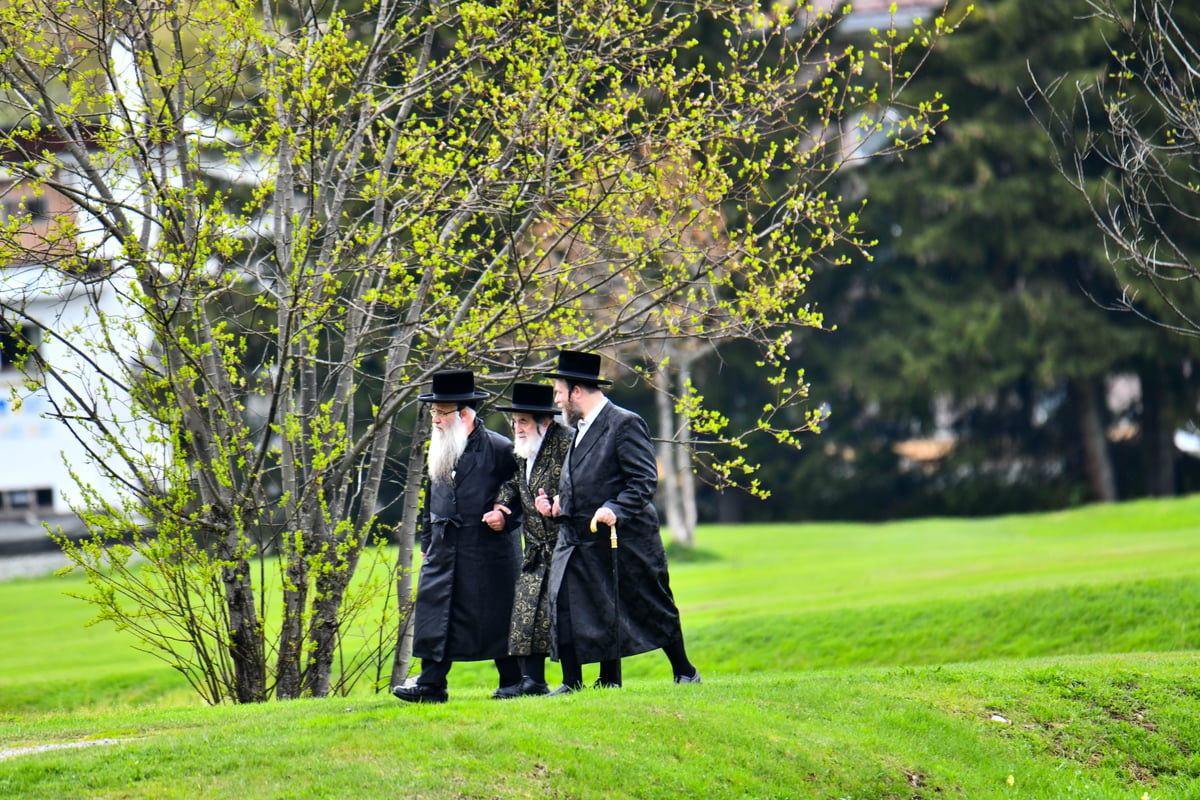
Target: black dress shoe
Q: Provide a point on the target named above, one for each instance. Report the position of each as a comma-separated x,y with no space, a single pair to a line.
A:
530,687
693,678
566,689
603,684
420,693
508,692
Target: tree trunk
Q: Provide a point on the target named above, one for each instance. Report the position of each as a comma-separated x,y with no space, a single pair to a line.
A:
1085,394
730,509
667,458
295,597
683,462
329,587
401,663
324,629
1158,445
678,482
245,632
299,547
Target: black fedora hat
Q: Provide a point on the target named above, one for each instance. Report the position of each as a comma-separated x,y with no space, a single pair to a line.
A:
577,367
452,386
531,398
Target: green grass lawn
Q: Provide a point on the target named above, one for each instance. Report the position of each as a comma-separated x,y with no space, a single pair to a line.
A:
1041,656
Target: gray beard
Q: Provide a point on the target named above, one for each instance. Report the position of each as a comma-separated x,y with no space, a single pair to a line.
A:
527,448
445,448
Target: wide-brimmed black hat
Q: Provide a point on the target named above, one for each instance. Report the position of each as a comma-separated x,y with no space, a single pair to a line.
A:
577,367
452,386
531,398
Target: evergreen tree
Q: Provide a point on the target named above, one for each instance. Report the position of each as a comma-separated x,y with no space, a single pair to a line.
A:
985,318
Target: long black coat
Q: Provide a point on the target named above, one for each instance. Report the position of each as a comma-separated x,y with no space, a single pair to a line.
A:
614,466
465,588
530,630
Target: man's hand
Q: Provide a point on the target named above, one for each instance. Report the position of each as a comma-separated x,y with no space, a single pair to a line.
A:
604,515
545,506
494,519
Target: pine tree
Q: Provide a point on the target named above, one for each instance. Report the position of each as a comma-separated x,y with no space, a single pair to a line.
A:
990,295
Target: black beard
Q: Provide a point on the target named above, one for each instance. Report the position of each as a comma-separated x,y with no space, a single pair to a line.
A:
573,414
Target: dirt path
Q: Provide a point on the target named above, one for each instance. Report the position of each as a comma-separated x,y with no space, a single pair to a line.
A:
13,752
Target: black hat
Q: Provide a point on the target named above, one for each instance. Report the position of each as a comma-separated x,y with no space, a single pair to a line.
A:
577,367
452,386
531,398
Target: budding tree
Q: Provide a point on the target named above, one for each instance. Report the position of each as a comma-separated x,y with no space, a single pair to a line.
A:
305,215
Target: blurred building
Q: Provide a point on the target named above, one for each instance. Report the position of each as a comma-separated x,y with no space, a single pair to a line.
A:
57,306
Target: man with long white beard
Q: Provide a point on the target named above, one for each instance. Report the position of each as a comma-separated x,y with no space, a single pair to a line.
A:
468,571
541,444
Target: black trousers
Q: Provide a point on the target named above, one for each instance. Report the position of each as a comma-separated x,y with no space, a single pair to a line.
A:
433,673
610,670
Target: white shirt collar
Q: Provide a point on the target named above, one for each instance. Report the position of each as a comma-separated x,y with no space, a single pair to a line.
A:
589,418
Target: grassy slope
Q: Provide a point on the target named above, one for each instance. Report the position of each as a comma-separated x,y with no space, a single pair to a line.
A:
836,660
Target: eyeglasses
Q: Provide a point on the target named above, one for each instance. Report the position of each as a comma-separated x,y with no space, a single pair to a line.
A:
437,413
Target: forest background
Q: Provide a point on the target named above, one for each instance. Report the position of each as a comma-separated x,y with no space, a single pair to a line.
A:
984,361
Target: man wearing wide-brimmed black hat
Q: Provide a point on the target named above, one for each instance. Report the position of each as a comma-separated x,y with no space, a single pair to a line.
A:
468,571
541,444
608,478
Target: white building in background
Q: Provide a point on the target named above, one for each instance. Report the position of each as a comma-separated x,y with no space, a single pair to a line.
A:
34,478
35,448
880,14
32,472
37,451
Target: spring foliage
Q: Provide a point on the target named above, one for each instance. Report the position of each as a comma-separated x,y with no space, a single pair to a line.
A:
304,215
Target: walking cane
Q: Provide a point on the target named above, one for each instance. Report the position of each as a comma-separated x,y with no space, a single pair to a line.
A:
612,543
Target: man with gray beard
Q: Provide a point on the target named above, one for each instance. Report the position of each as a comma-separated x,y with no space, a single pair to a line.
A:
541,444
468,571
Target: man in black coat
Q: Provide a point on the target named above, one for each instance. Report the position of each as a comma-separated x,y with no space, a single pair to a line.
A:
468,571
608,478
541,445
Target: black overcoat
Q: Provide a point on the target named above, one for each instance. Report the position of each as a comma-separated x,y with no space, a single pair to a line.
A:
530,630
613,465
465,588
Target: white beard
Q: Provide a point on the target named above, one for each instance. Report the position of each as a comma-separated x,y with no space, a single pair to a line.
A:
527,448
445,448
